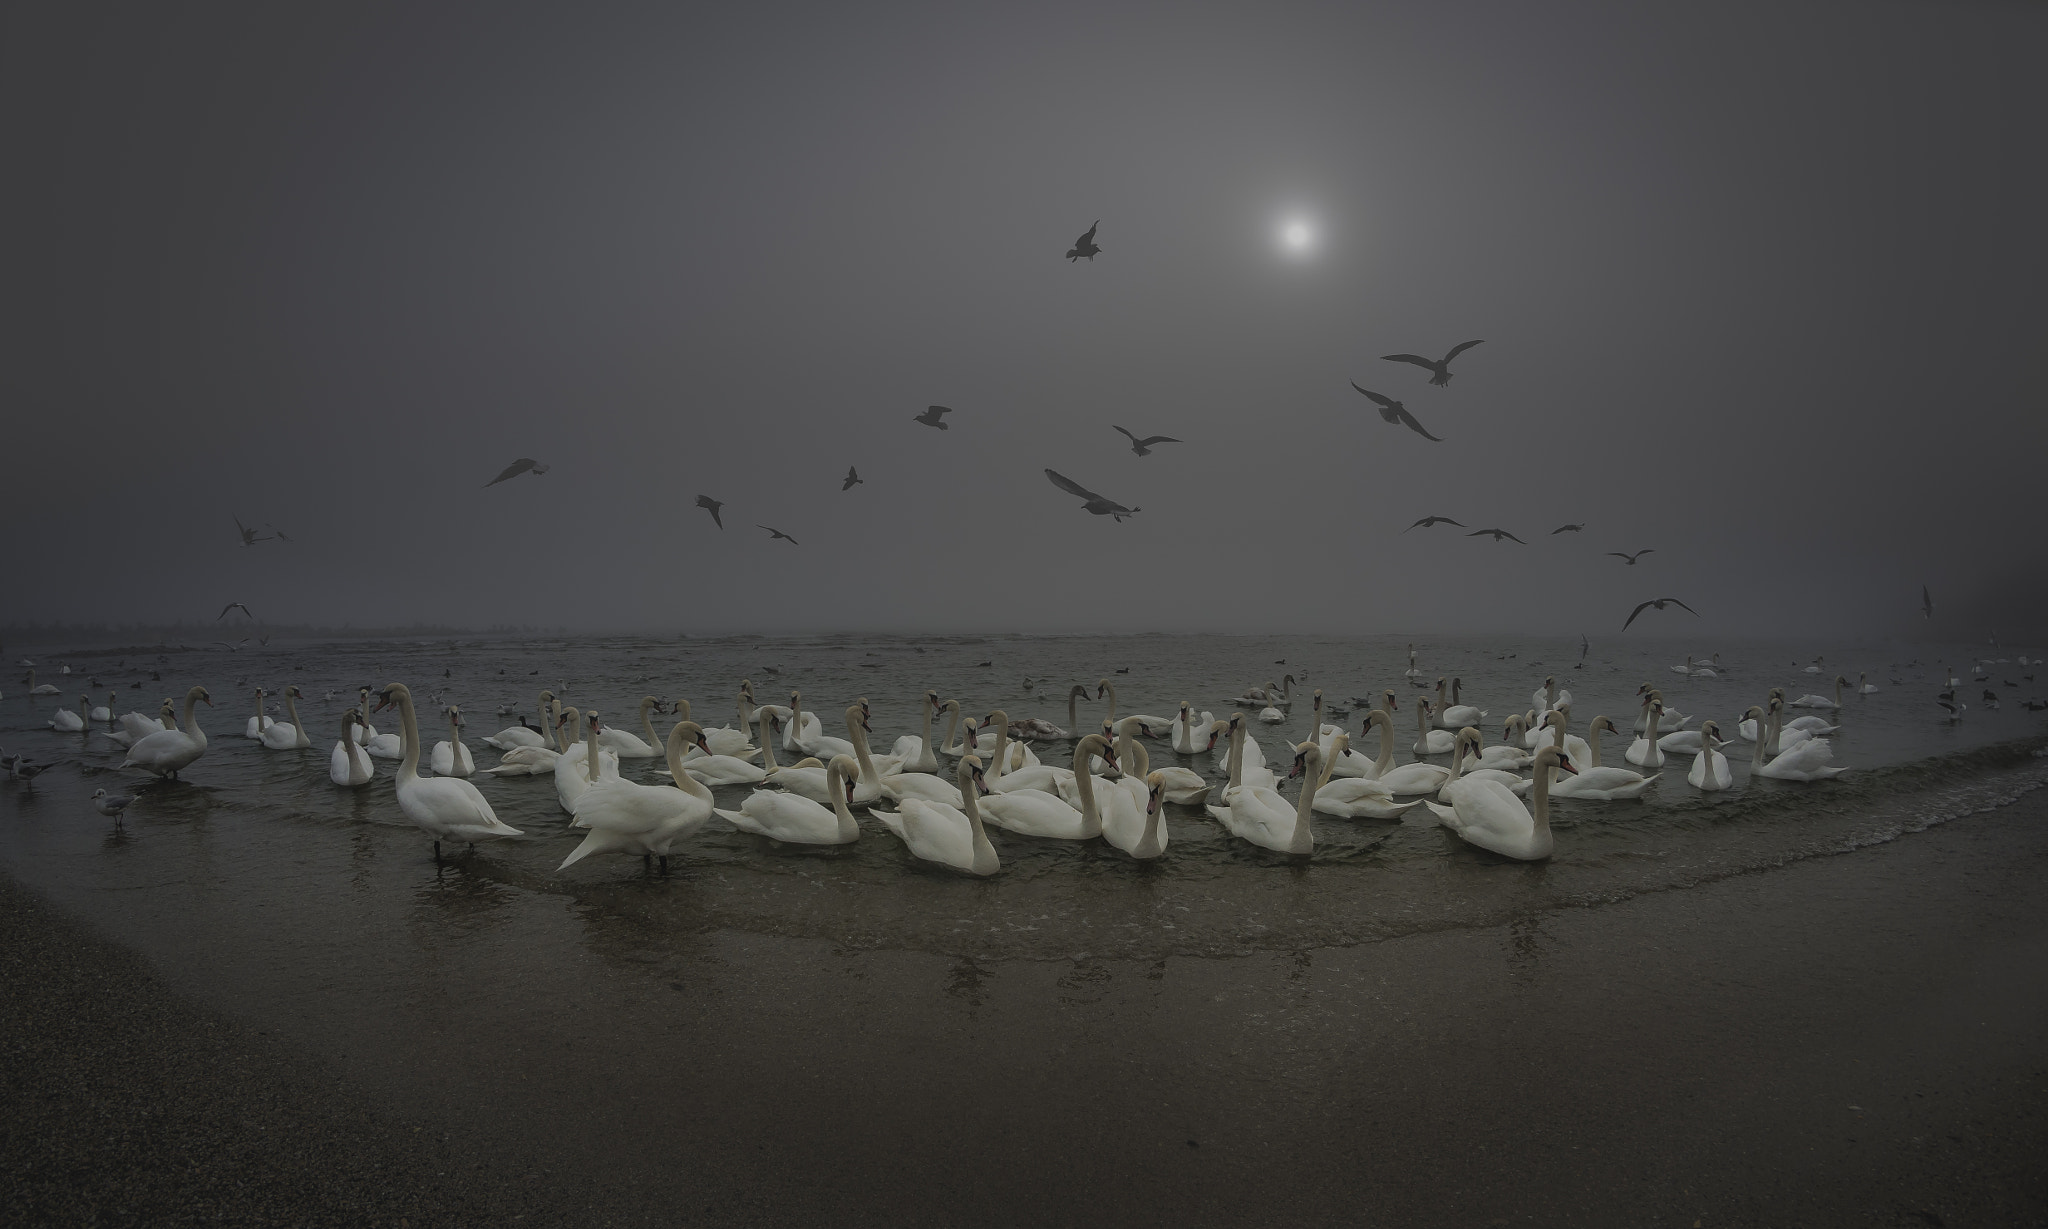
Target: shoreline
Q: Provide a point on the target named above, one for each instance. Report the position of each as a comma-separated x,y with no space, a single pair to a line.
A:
1856,1038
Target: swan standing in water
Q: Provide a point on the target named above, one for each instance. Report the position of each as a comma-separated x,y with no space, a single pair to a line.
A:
451,758
1710,769
1485,814
1812,701
627,817
797,820
1597,783
445,808
287,735
1263,817
951,836
349,764
167,752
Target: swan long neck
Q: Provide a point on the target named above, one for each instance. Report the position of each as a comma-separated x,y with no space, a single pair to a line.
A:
835,780
971,803
1236,755
1085,783
1111,689
1385,763
1839,680
1539,801
1342,743
259,710
1002,744
1593,742
1457,760
1304,838
590,750
1073,694
192,717
291,706
673,748
947,744
409,768
647,723
766,719
555,726
928,706
868,777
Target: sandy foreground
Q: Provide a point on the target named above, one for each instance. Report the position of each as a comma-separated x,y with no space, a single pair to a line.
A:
1858,1039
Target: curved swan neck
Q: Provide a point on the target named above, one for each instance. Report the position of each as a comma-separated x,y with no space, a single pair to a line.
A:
259,710
192,717
674,749
555,726
1236,755
1593,742
946,743
1086,783
1002,744
1539,801
291,706
835,781
409,768
1110,687
647,723
1304,838
860,749
767,720
1386,760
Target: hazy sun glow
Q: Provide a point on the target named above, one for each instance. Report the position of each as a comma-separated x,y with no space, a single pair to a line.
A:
1296,236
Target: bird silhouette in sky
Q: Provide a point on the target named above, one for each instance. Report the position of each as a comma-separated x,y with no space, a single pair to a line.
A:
1428,521
852,479
231,606
1926,603
1631,559
1566,529
1660,603
1085,246
1143,447
249,536
930,417
1096,504
1496,534
1394,412
517,468
777,533
1440,369
712,506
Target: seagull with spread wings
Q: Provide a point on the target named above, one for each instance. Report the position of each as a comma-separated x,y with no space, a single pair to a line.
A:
777,533
1926,603
931,416
1394,412
1085,246
1096,504
1631,559
1660,603
517,468
1143,447
249,536
1429,521
1496,534
852,479
1440,369
231,606
1566,529
712,506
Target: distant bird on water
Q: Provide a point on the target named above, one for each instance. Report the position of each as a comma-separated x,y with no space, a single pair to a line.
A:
1084,246
777,533
930,417
517,468
1440,369
1096,504
1428,521
249,536
1660,603
1631,559
1143,447
1497,535
1566,529
1394,412
712,506
1926,603
853,479
231,606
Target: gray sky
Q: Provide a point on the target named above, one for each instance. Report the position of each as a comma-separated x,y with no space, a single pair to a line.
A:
1760,288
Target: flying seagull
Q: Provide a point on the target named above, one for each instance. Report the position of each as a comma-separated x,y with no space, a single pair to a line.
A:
1428,521
249,536
1096,503
777,532
1631,559
1660,603
1497,534
1144,447
1394,412
930,417
231,606
853,479
236,647
1566,529
517,468
1584,644
1926,603
712,506
1440,368
1085,246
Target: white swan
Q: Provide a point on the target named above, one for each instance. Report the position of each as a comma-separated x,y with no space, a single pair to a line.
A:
1508,754
730,740
524,735
1244,763
287,735
1548,696
1485,814
105,712
797,820
1451,715
135,725
1191,735
1470,738
365,731
64,721
1864,686
1813,701
1595,782
349,764
1428,741
1644,751
630,746
1710,769
1154,726
1672,718
1139,828
627,817
167,752
951,836
1042,813
35,689
805,735
1280,695
1557,730
451,758
1417,778
1339,760
1804,761
1355,797
879,779
259,722
915,750
1180,785
1413,671
445,808
1262,816
572,767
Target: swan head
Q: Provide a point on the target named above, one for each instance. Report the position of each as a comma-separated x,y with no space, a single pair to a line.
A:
857,714
1308,758
1155,792
997,718
1373,717
1187,709
1753,713
1551,757
1709,730
1216,728
1514,722
692,733
293,691
865,711
1607,724
1471,738
970,772
389,696
1101,688
454,715
932,698
844,767
1097,745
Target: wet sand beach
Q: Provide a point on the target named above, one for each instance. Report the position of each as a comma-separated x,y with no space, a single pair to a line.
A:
1859,1038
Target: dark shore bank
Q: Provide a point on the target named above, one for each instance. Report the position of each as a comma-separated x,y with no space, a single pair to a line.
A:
1850,1040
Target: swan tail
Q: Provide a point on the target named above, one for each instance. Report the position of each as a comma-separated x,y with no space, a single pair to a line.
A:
596,842
1446,816
731,817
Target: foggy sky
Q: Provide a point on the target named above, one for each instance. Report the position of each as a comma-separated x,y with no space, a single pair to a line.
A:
1760,288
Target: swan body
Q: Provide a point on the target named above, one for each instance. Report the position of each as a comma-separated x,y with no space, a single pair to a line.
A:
1262,817
1710,770
64,721
1595,782
627,817
1190,736
948,835
1646,751
451,758
1354,797
573,767
630,746
1469,738
1428,741
1486,814
795,819
166,752
349,764
445,808
287,735
525,762
915,750
1451,715
1043,813
1813,701
135,725
1806,760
